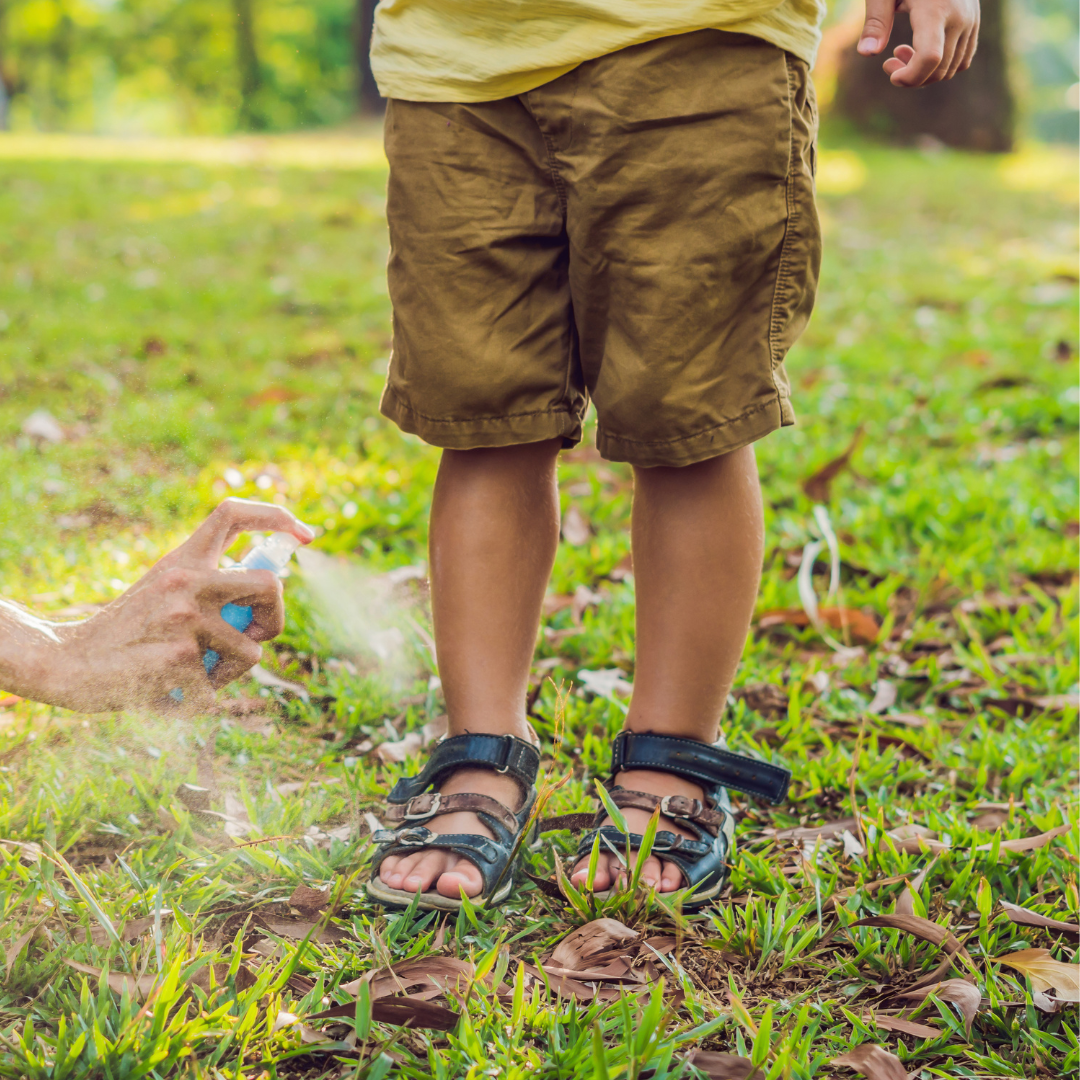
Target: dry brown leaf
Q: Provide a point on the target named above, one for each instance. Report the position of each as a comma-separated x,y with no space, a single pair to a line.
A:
990,821
1045,972
920,928
1023,917
16,947
127,931
414,1011
907,719
961,993
1027,843
717,1066
438,973
873,1062
905,904
309,900
905,1027
561,986
768,699
818,486
858,624
137,988
298,929
594,937
911,839
269,679
617,971
575,527
412,742
827,830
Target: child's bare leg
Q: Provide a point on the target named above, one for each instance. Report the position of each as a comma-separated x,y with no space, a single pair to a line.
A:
494,533
698,539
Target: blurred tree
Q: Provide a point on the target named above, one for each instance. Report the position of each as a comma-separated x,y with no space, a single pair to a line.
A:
4,93
247,63
368,96
975,110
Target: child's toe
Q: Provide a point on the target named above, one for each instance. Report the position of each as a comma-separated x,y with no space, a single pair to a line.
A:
671,879
462,876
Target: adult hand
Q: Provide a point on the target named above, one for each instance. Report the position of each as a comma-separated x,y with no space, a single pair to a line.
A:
151,639
945,34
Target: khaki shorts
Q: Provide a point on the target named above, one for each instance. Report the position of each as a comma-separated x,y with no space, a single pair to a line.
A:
641,230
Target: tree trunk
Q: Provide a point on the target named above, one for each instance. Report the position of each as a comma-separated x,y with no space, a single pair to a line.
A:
247,62
973,111
369,100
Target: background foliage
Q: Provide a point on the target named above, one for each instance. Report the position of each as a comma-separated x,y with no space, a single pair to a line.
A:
172,66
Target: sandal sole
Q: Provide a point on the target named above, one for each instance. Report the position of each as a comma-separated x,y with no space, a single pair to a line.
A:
430,901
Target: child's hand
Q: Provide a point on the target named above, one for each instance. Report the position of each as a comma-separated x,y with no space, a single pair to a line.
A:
945,34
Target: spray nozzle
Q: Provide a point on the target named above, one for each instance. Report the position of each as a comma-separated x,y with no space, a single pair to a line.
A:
273,553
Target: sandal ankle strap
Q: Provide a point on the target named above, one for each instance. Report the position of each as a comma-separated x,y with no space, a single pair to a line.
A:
502,753
704,764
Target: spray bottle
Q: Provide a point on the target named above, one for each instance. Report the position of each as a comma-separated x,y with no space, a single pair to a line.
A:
272,554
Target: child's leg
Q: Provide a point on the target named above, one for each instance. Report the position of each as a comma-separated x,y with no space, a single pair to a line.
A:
494,532
698,543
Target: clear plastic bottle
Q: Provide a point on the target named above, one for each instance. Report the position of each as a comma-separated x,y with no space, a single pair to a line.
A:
272,554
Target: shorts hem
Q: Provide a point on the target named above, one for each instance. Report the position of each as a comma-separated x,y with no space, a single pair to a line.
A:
755,423
487,431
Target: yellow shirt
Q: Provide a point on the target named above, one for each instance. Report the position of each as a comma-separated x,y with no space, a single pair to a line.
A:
480,50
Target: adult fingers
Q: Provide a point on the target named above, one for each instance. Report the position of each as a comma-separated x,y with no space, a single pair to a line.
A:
959,54
877,26
259,590
972,46
237,653
951,55
228,520
928,41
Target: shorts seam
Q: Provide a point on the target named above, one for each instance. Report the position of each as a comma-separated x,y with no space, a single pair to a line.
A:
792,209
391,392
697,434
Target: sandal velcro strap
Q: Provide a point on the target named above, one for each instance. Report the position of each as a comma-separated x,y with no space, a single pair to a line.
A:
433,803
700,762
503,753
476,848
671,806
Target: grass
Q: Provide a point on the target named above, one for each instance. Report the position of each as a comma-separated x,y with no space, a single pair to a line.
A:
196,322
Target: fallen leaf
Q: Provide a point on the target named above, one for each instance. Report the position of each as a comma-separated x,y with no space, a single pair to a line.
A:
167,821
1023,917
298,929
562,986
412,742
1045,1003
42,425
905,1027
990,821
237,822
907,719
884,696
623,569
827,830
440,973
268,678
905,903
575,527
911,839
1027,843
818,486
137,988
29,852
575,950
920,928
16,947
1058,702
961,993
1045,972
606,682
852,846
860,625
873,1062
309,900
127,931
403,1010
717,1066
768,699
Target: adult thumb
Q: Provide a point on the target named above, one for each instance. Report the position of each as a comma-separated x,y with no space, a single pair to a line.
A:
877,27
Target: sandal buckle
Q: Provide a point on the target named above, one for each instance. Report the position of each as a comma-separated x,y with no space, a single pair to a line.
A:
434,802
508,746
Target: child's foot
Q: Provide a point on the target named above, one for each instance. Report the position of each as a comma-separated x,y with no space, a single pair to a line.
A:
661,875
451,873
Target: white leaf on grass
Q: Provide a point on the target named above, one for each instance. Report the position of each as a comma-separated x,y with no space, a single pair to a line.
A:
575,529
43,425
275,682
884,696
606,683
